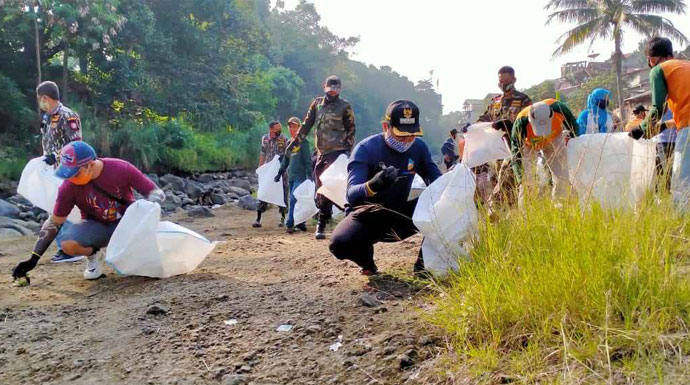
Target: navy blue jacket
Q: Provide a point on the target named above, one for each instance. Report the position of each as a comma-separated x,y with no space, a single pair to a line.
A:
364,164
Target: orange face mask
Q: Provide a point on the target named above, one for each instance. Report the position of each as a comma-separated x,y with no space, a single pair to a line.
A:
83,176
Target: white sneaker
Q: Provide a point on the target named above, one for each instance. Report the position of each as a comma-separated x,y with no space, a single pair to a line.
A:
94,266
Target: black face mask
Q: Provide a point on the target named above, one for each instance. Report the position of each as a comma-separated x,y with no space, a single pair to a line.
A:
603,104
331,98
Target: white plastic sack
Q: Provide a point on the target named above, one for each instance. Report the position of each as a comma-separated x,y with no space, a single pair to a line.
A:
305,207
447,216
483,144
143,245
334,181
612,169
39,185
269,190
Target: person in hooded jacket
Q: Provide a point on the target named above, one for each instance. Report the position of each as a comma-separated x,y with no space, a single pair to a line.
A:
596,118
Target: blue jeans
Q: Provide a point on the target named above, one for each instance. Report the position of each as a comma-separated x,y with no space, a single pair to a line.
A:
293,201
680,176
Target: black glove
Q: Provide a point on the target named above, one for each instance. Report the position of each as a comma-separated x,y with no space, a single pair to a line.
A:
50,159
502,125
383,179
636,133
277,178
25,266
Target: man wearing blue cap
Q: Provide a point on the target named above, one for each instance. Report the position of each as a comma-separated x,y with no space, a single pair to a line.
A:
102,189
380,175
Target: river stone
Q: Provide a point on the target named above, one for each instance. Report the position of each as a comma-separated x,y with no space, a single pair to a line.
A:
7,209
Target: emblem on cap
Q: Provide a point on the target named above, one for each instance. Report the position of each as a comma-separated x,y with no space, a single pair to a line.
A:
407,116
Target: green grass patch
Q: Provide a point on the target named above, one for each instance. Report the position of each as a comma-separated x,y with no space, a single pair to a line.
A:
558,294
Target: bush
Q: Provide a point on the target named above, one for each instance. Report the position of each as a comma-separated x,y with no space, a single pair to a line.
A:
553,292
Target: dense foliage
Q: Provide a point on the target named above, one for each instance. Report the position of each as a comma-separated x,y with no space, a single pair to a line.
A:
183,85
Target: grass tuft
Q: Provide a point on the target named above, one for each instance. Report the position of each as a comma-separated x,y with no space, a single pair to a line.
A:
553,291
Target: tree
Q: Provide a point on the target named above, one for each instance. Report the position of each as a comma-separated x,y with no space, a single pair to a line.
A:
604,19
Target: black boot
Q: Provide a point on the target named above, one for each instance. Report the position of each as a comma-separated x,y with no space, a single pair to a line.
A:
419,270
257,223
282,219
321,227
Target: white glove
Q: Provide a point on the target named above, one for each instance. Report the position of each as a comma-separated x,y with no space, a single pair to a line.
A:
156,196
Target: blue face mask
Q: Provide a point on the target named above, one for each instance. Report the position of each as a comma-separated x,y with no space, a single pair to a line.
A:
396,144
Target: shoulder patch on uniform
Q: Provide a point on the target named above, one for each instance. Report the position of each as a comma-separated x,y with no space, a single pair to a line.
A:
73,123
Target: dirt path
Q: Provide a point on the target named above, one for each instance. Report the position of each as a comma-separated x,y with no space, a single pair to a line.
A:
63,329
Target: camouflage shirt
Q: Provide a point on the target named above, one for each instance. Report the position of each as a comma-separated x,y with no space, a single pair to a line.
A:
505,107
270,147
335,125
58,128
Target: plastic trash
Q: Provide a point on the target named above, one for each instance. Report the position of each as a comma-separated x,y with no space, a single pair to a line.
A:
483,144
337,345
39,185
305,207
447,216
612,169
284,328
143,245
334,181
230,322
269,190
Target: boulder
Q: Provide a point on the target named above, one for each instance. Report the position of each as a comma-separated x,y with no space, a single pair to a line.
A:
154,179
6,233
240,192
19,200
7,209
176,182
247,202
205,178
200,212
218,199
27,216
171,202
241,183
193,190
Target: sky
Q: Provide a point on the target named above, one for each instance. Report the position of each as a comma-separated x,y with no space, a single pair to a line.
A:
464,42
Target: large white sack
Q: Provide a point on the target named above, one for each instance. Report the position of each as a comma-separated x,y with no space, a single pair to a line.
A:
143,245
305,207
334,181
612,169
447,216
483,144
39,185
269,190
418,185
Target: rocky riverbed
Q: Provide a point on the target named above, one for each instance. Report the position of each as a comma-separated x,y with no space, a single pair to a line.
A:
197,195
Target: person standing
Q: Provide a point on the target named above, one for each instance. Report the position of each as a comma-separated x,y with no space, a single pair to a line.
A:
59,126
669,80
380,175
299,170
501,112
273,143
596,118
334,122
449,149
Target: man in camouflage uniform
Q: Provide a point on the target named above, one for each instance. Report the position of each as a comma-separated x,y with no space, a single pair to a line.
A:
272,144
335,135
59,126
502,112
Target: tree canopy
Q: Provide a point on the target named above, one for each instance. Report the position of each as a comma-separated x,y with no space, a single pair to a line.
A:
184,85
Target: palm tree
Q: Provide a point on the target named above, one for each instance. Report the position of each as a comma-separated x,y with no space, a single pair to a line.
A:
605,19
